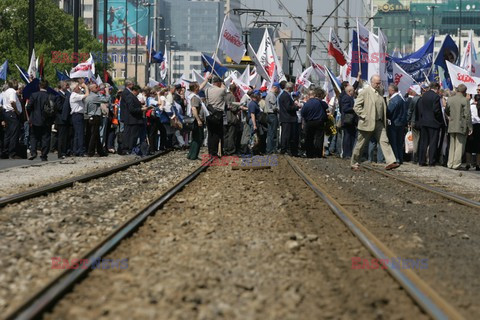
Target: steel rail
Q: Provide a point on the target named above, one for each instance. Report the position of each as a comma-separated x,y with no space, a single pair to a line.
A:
448,195
427,298
46,297
56,186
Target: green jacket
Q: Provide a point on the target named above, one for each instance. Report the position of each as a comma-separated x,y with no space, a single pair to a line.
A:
460,117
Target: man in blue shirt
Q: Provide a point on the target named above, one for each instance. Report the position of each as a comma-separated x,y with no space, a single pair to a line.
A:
253,118
314,114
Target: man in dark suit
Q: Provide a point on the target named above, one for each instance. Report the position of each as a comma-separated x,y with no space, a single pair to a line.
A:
430,120
349,121
39,121
134,116
62,118
124,115
288,119
397,116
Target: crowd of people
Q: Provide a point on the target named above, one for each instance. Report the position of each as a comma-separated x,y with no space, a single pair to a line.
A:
428,125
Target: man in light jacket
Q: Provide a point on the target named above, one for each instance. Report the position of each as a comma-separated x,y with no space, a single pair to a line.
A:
372,121
459,126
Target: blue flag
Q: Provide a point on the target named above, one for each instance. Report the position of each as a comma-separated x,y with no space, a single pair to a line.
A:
209,62
3,70
417,64
448,52
359,58
61,76
157,56
32,87
23,74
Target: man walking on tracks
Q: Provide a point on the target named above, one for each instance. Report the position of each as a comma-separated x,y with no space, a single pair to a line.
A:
371,109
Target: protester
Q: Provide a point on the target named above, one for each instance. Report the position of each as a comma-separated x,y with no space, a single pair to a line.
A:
40,121
63,120
77,106
271,108
12,116
288,121
372,113
198,112
430,120
473,140
413,118
230,137
256,127
216,107
314,114
94,114
397,120
349,121
460,126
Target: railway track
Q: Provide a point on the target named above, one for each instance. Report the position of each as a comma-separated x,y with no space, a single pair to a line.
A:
53,187
46,297
429,300
445,194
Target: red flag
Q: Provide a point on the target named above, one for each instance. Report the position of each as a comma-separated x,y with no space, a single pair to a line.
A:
40,67
335,49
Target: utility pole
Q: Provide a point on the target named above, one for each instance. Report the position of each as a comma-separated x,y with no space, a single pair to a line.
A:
309,32
335,28
147,73
136,40
31,27
95,19
105,33
76,14
460,30
347,23
414,32
126,40
433,16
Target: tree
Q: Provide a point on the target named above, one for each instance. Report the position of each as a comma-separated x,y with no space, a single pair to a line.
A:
53,32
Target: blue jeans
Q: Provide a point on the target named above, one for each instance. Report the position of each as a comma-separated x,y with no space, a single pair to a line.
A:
78,134
371,150
272,140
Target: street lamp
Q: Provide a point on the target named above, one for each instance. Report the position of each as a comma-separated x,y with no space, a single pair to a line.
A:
147,73
414,32
433,15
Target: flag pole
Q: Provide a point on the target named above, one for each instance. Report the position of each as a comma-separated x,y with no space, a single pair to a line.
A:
218,44
358,47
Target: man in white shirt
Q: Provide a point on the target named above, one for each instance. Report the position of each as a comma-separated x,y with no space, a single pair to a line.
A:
12,111
77,105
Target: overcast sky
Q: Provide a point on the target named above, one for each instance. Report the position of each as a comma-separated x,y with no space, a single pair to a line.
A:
321,8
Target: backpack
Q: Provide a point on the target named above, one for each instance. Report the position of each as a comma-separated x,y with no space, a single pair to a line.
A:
49,108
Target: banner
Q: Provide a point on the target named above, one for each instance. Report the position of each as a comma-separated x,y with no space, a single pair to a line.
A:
402,79
164,65
268,57
417,64
32,68
461,76
231,41
302,78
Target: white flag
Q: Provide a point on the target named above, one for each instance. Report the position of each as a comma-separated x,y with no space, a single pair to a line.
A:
363,37
152,83
302,78
244,88
245,77
196,76
32,68
318,69
268,57
82,70
231,40
92,62
461,76
373,56
402,79
99,80
164,65
382,45
255,79
259,66
469,61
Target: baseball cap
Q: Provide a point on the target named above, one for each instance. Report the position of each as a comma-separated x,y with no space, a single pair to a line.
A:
276,84
257,92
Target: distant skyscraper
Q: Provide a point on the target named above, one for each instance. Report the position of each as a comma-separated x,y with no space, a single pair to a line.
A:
194,23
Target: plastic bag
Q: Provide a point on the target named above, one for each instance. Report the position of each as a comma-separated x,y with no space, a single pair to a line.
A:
409,142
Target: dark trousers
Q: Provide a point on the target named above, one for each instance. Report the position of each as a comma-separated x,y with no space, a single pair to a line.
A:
12,133
272,127
78,134
197,141
314,138
63,133
215,136
94,143
42,135
349,137
230,138
428,139
132,133
290,137
396,136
